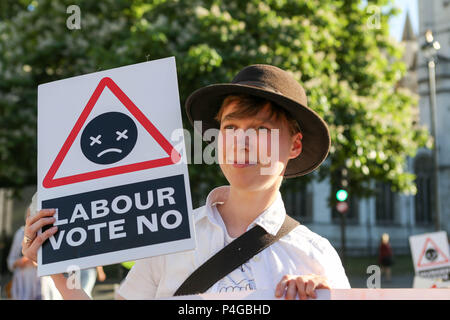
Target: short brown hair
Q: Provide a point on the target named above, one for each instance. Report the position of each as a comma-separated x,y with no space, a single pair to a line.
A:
250,105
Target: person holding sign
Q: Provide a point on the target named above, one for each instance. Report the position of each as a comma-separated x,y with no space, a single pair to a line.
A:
264,109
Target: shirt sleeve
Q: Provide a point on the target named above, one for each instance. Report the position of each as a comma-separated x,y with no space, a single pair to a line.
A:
140,283
16,249
333,269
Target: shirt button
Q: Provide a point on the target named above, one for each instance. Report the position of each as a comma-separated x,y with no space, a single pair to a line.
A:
256,258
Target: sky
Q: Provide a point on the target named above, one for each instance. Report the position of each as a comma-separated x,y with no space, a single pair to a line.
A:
396,24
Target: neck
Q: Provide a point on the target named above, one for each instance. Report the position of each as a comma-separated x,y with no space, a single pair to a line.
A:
242,207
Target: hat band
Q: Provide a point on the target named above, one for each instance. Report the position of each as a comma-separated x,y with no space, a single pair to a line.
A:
259,85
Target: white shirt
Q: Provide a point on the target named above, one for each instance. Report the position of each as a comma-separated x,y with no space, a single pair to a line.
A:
239,279
300,252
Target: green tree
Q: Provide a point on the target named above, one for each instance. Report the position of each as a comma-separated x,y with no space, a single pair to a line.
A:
348,65
36,47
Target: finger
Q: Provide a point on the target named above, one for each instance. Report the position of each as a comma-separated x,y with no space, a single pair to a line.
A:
33,229
291,291
41,214
324,285
301,288
31,252
310,286
281,286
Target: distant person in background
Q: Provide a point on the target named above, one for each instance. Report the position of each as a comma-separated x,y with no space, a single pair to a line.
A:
385,257
26,285
89,276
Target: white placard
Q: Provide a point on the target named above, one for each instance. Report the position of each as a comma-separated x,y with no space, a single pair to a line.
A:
108,164
430,252
429,283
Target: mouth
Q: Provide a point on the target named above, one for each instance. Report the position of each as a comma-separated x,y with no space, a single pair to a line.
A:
109,150
243,165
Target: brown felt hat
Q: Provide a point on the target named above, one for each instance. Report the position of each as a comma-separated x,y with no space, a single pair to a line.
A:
273,84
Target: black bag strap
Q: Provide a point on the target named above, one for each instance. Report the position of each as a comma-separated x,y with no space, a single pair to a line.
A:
232,256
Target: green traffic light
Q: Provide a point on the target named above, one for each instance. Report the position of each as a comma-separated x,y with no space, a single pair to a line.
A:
341,195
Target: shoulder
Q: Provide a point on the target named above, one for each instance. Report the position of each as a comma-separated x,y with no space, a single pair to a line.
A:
18,235
317,248
198,212
20,230
308,239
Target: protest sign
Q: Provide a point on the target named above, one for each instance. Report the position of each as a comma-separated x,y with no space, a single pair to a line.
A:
107,164
430,252
428,283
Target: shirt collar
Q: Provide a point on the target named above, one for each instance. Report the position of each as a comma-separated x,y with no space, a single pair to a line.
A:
270,219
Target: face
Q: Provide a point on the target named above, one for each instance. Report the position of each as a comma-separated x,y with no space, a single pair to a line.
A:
254,151
108,138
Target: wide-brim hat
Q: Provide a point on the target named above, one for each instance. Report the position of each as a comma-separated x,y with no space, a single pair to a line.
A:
273,84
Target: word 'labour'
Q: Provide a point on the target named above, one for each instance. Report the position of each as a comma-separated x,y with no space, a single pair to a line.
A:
119,205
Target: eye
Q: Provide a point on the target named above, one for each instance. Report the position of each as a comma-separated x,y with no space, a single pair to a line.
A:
229,127
95,140
121,135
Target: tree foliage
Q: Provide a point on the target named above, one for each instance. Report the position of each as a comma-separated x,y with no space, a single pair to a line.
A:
348,66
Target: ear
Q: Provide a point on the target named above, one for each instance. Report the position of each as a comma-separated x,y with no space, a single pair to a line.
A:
296,146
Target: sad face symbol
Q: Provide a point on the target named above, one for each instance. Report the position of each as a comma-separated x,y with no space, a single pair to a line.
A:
431,254
108,138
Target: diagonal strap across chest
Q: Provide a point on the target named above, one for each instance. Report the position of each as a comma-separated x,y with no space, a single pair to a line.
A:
232,256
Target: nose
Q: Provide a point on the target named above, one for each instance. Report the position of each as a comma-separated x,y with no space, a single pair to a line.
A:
244,147
241,140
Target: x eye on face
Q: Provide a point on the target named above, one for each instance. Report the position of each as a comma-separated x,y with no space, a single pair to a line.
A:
121,135
95,140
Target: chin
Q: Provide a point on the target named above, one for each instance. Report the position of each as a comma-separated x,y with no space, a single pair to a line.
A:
249,180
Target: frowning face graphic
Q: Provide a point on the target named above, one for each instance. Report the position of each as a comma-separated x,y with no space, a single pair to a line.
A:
108,138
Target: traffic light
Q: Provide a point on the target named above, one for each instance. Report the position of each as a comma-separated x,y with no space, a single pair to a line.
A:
341,195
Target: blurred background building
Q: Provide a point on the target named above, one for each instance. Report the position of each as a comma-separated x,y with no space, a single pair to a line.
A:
398,215
434,16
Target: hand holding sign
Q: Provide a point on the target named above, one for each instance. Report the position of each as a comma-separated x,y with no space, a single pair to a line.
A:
32,241
303,285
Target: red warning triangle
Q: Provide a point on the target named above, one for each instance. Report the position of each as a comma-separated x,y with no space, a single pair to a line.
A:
173,156
441,258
